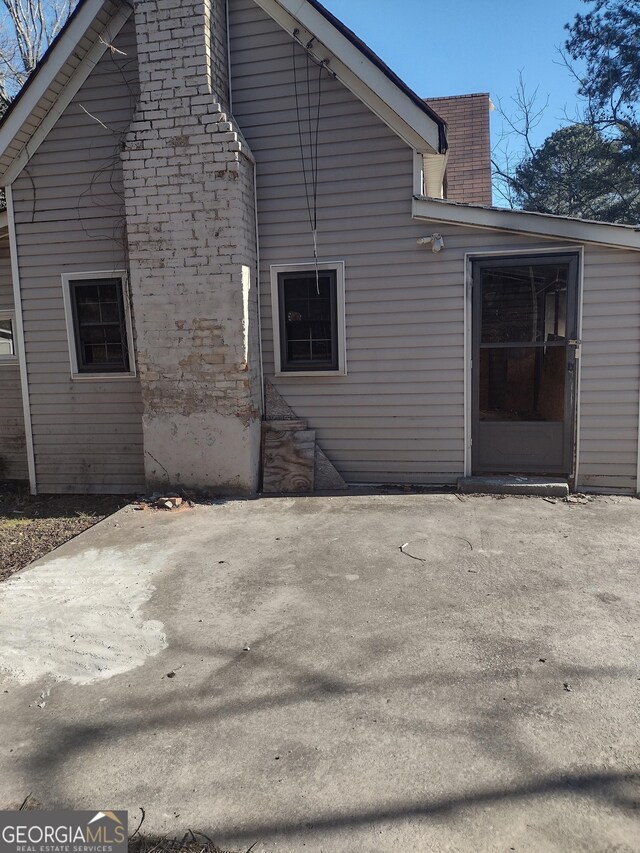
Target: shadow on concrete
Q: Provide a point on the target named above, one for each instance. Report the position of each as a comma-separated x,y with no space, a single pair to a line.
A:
493,729
607,787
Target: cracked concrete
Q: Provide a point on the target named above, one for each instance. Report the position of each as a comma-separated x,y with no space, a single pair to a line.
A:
386,702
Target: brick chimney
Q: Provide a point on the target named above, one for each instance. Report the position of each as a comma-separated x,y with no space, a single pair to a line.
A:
468,175
190,216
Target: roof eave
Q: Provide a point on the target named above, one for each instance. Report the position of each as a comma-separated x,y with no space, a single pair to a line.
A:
358,68
15,132
525,222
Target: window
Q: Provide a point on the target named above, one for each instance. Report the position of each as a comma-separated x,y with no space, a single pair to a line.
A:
98,324
308,308
7,338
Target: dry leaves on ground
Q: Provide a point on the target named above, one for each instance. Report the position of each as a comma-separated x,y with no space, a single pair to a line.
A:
31,526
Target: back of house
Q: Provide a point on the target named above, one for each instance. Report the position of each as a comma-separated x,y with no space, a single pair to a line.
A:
240,251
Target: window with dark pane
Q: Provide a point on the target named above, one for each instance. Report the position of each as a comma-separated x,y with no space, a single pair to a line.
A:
524,304
523,353
308,320
7,346
99,325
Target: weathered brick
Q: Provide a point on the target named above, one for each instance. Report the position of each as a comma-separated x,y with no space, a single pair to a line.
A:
188,178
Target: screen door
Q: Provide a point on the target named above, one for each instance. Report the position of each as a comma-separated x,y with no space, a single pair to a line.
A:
524,364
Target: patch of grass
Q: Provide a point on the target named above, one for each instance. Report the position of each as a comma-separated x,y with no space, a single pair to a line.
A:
9,523
83,516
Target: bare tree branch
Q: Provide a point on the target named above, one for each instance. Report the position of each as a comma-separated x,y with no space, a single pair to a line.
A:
520,117
27,27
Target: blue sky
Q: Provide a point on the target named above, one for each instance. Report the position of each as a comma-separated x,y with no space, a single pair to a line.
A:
493,40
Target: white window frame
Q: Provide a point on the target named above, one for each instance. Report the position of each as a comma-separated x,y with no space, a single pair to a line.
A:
334,266
10,360
71,338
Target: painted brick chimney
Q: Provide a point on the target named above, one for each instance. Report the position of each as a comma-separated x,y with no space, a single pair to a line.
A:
190,215
468,175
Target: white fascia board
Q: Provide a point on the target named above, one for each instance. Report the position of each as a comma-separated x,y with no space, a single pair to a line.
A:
47,74
357,73
523,222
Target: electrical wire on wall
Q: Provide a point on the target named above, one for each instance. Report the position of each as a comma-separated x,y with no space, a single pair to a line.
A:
308,137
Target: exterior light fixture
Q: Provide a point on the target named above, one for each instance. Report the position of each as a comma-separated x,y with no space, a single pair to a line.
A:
436,240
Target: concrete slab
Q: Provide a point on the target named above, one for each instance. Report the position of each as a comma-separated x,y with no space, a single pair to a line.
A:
510,485
352,673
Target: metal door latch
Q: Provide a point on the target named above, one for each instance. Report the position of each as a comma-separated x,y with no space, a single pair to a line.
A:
576,343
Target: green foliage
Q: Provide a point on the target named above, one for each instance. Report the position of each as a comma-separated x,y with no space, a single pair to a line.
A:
590,169
580,172
607,40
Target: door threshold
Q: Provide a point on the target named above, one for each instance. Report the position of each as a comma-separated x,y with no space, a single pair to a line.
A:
509,484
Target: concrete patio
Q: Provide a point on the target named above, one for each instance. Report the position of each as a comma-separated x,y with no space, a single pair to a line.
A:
356,673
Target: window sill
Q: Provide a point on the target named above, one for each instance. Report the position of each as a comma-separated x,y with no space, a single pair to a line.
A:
9,362
307,373
101,377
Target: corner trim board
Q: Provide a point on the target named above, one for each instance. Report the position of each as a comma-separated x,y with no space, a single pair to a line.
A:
468,361
576,472
17,304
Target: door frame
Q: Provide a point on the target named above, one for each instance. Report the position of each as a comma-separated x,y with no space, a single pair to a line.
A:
469,258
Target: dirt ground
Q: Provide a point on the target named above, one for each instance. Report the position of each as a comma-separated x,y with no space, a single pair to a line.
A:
31,526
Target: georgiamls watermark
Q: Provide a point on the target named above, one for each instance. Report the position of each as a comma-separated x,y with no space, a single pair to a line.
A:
63,832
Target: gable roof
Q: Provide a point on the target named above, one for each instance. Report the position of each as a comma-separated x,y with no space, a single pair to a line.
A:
388,72
57,77
361,71
94,23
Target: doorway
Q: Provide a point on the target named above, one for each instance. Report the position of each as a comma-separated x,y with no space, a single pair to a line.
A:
524,344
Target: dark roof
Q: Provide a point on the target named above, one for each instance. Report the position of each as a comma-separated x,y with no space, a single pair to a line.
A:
373,57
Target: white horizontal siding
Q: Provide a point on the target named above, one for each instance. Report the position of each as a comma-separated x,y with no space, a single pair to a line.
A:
398,415
610,383
70,218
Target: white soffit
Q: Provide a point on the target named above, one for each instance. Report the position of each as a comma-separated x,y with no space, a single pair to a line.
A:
357,72
526,222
